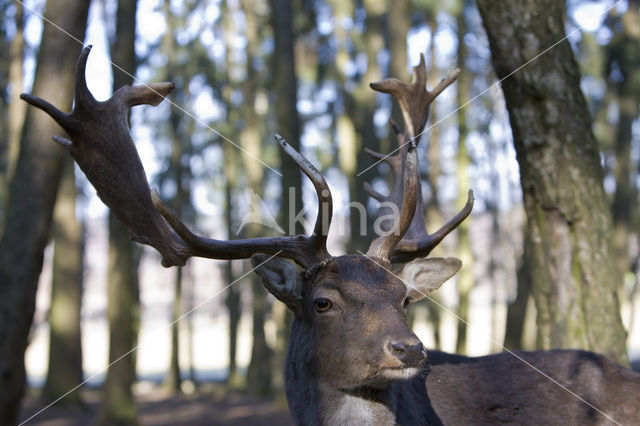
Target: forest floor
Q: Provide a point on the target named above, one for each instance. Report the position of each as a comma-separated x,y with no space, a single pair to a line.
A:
159,408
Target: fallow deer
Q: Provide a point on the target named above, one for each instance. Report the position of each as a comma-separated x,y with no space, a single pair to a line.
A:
352,358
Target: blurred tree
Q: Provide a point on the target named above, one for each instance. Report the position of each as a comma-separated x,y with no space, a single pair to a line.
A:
260,372
517,309
346,136
31,196
285,88
5,63
16,108
178,171
233,298
398,28
427,13
623,72
569,223
118,405
355,129
465,277
65,345
233,301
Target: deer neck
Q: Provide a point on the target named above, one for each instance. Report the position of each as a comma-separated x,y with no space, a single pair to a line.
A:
314,402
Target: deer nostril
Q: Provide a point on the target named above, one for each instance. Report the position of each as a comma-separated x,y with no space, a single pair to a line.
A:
399,347
417,348
411,355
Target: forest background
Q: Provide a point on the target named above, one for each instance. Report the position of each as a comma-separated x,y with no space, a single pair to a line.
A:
245,69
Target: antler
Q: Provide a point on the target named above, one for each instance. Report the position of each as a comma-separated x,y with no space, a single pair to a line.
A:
101,145
413,98
414,102
382,247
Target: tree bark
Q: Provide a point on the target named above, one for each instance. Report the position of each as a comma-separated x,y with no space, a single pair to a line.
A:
31,197
65,344
569,223
118,405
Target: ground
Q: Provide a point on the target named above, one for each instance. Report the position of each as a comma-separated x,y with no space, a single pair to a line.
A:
158,408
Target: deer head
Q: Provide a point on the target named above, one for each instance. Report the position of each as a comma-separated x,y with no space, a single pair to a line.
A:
354,306
349,310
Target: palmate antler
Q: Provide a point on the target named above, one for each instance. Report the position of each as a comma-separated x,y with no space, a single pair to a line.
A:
102,146
414,102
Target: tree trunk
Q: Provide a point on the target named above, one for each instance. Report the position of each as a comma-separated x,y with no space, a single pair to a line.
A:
355,128
31,197
260,373
17,108
285,86
575,279
432,140
361,108
398,28
517,310
173,380
465,279
65,346
118,405
233,299
181,177
623,54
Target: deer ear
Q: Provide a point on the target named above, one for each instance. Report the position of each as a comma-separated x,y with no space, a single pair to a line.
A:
281,278
422,276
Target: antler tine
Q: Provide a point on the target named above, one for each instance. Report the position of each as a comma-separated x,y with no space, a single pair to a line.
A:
60,117
305,250
373,193
414,98
101,145
422,244
83,97
325,201
382,246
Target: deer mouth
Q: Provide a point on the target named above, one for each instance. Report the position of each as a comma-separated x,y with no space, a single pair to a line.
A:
400,373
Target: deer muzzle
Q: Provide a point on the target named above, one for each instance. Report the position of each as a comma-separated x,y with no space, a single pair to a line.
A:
411,354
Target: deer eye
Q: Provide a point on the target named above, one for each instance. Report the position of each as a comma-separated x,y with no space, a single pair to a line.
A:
406,302
322,304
